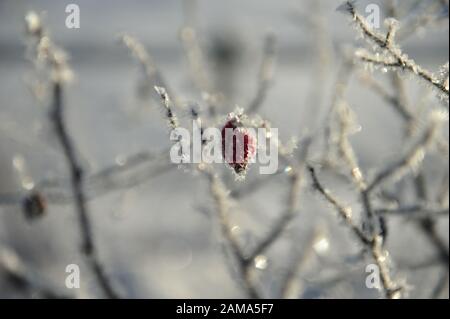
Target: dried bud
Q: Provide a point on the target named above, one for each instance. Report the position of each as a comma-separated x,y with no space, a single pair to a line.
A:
34,205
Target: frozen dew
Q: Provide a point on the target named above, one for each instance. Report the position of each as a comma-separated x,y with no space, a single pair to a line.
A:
321,245
417,158
356,172
239,177
356,128
348,212
27,183
18,162
120,160
10,261
289,147
235,229
382,258
260,262
20,166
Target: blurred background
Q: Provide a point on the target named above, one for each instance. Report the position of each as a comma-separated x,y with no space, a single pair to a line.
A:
160,238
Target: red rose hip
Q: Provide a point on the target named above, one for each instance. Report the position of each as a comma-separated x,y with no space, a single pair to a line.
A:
238,144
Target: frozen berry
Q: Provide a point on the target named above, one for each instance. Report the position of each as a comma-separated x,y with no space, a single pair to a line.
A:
234,153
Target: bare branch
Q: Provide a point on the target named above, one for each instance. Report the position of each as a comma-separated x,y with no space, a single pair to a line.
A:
25,278
391,289
413,157
220,196
59,67
152,74
396,58
265,74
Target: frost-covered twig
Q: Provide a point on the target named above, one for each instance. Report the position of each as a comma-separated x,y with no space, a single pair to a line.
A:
391,289
193,50
167,102
290,285
56,59
221,200
196,57
344,211
126,173
428,226
395,57
413,211
152,75
220,196
88,246
265,74
295,180
442,197
413,157
331,133
441,285
425,221
427,14
25,278
396,101
346,124
280,225
375,223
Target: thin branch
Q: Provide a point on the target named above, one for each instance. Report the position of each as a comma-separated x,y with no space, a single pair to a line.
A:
169,106
57,61
221,200
429,15
88,246
25,278
283,221
396,101
397,59
295,180
153,76
344,211
399,104
347,124
441,285
290,286
220,196
428,226
374,244
331,133
196,57
265,74
413,211
127,173
413,157
346,121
